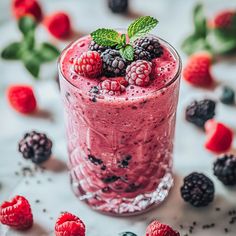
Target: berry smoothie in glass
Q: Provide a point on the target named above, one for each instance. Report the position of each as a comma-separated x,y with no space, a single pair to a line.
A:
120,93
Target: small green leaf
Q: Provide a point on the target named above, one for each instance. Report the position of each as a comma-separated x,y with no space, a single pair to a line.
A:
199,20
193,44
27,24
221,42
11,52
106,37
127,52
123,39
47,52
28,42
141,27
32,63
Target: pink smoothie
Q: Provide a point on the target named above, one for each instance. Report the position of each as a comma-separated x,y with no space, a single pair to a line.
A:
120,146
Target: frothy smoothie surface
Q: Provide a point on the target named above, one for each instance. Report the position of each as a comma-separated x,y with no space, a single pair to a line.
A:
166,68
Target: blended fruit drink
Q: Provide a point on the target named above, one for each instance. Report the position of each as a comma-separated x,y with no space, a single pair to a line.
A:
120,106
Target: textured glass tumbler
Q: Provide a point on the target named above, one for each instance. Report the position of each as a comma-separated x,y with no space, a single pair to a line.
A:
120,152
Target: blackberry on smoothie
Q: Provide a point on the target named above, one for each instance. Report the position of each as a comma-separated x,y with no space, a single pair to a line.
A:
120,93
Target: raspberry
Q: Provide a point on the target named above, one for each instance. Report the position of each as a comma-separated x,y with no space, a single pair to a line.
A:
219,137
58,24
198,190
22,98
89,64
141,54
69,225
36,146
224,20
138,72
151,45
227,96
197,70
158,229
112,86
118,6
198,112
16,213
22,8
98,48
225,169
113,63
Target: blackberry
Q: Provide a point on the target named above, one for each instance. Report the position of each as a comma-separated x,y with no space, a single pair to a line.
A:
127,234
225,169
198,190
141,54
36,146
151,45
198,112
113,63
228,96
118,6
96,47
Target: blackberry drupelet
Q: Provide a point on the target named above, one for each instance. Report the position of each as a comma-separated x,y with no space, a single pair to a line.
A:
141,54
225,169
151,45
113,63
198,190
118,6
36,146
96,47
198,112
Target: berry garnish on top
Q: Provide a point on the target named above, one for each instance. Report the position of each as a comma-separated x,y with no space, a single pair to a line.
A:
93,46
198,190
138,73
16,213
158,229
36,146
225,169
198,112
112,86
224,20
227,96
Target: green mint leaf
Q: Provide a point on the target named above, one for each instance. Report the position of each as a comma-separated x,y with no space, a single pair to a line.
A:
127,52
221,41
32,63
28,42
106,37
123,39
12,51
194,43
200,22
47,52
27,24
141,27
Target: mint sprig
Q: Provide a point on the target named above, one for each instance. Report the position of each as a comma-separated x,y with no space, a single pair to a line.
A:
27,50
112,38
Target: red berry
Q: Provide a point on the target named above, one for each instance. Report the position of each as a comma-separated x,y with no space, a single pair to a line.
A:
69,225
219,136
22,8
16,213
112,86
89,64
22,98
197,70
158,229
58,24
138,72
224,19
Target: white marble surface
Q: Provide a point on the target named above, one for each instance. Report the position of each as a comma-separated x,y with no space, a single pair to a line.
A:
56,196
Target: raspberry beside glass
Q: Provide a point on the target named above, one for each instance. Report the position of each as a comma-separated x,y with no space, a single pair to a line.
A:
120,144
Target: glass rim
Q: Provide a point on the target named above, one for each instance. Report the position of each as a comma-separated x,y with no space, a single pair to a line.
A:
169,46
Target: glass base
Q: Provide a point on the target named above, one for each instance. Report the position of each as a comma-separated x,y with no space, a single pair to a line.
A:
126,206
